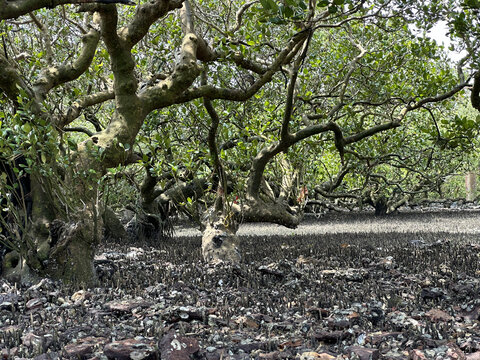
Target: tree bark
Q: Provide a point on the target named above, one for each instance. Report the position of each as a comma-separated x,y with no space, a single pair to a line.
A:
219,242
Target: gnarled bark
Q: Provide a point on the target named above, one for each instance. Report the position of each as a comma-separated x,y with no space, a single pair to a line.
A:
219,241
70,259
258,210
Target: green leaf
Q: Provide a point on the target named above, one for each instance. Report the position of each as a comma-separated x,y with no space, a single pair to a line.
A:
277,20
26,128
332,9
273,5
302,5
288,11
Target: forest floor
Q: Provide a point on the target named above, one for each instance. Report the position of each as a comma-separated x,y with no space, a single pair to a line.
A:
341,286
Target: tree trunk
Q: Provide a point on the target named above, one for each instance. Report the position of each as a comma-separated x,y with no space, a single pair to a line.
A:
55,243
71,257
471,186
219,242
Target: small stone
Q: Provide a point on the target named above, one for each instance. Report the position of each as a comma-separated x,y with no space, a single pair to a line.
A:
6,305
437,315
32,340
134,253
80,296
416,354
294,343
318,313
10,329
47,356
34,304
330,337
377,338
247,321
248,347
364,353
127,305
339,323
386,262
433,293
131,349
311,355
84,347
175,347
8,301
9,353
276,355
186,313
302,261
454,352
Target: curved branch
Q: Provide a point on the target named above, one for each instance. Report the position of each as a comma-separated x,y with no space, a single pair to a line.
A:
46,37
54,76
371,131
333,184
123,64
213,92
212,135
180,192
14,9
441,97
11,81
287,115
266,154
145,16
239,16
166,92
475,96
79,129
76,108
256,210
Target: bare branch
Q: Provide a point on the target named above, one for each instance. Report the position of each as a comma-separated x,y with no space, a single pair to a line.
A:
371,131
438,98
45,36
260,211
76,108
352,66
11,81
287,115
79,129
475,96
145,16
212,92
54,76
11,9
239,16
166,91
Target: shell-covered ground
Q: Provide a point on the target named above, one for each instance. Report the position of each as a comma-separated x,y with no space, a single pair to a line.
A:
342,286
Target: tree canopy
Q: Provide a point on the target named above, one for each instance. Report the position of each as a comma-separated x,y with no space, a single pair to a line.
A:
235,106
